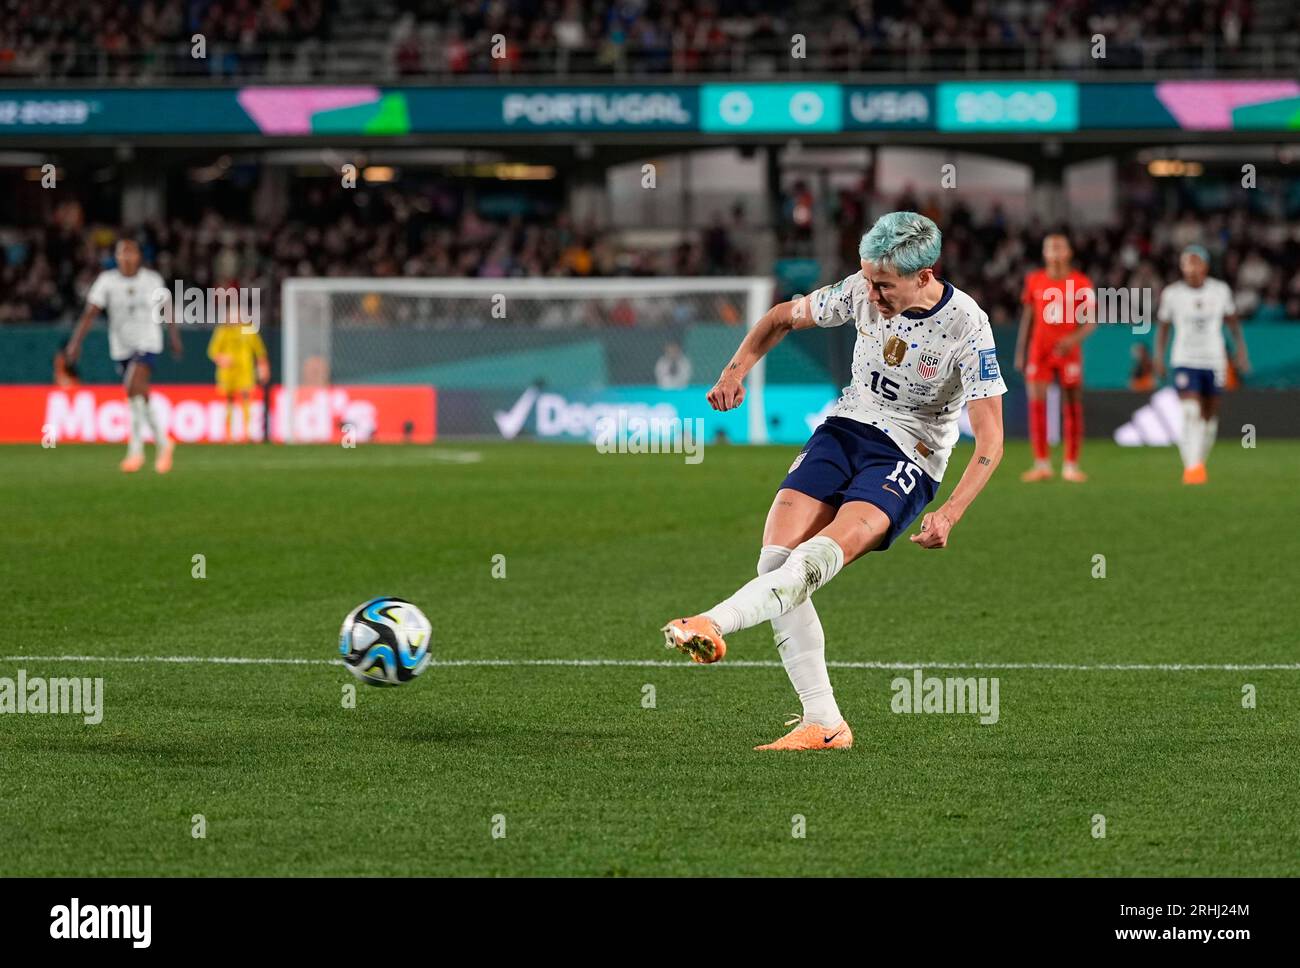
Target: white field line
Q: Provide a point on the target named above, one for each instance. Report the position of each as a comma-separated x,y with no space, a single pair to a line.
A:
416,459
683,664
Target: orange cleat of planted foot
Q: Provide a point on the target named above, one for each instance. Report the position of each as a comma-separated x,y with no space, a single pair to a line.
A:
1195,475
131,463
1036,474
1073,475
813,736
163,462
697,637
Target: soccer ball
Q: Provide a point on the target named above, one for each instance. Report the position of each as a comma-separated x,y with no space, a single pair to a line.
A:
385,641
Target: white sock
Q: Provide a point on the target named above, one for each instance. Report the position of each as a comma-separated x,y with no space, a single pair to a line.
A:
802,643
809,567
148,419
135,443
1189,441
1209,431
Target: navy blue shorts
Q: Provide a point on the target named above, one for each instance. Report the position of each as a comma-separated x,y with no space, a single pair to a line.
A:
1204,383
845,460
146,358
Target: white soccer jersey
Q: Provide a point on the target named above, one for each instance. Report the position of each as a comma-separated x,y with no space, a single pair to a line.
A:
134,325
912,373
1197,316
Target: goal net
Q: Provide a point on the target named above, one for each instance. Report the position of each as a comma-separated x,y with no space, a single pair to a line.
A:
393,360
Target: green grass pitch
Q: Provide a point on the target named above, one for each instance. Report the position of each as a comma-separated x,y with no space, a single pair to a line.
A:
599,551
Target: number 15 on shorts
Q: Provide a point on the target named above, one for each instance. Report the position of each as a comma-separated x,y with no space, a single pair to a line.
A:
905,475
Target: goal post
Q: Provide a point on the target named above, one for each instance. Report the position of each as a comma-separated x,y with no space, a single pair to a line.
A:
480,343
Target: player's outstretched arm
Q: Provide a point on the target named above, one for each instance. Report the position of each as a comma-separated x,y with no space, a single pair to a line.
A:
1022,337
173,330
218,353
729,392
986,422
73,351
263,361
1242,360
1086,317
1162,344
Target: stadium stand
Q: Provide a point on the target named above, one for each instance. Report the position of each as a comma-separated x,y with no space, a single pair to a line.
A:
286,40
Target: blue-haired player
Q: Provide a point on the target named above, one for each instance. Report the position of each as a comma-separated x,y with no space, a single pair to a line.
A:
923,349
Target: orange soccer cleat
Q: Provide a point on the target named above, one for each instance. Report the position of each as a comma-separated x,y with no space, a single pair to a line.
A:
163,462
1036,474
131,463
697,637
1073,475
813,736
1195,474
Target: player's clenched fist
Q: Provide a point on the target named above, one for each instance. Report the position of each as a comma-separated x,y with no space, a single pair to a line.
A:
727,394
934,530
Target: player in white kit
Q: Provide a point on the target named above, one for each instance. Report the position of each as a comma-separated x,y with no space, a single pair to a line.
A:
924,348
1198,308
136,302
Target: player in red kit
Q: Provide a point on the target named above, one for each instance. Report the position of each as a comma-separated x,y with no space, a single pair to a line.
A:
1059,314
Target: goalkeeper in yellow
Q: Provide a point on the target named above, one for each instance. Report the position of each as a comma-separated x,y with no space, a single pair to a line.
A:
240,355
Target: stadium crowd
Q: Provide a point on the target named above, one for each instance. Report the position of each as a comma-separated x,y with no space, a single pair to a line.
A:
718,35
80,38
47,269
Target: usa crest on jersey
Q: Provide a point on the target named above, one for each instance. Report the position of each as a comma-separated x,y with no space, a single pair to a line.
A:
927,365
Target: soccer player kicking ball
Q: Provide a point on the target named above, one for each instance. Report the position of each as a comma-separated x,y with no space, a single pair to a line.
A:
1198,308
1058,316
923,348
131,295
